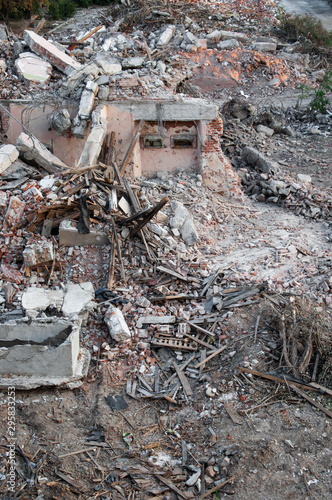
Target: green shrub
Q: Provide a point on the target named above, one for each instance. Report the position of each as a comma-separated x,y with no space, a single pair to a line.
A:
321,101
58,9
307,27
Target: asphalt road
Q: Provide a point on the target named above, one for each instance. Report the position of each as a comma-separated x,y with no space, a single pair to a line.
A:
321,9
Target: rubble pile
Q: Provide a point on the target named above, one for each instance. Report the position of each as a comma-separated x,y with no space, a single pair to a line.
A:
162,295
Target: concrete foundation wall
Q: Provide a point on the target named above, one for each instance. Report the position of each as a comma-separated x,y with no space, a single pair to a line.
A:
39,349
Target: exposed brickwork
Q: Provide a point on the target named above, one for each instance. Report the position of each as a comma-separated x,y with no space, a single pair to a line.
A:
219,175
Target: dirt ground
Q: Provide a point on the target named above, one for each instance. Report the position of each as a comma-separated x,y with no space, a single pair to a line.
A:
71,441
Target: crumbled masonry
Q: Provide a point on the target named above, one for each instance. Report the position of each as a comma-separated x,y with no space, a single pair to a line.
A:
165,255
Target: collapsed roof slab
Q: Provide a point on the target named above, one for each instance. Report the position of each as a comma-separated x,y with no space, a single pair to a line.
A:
50,52
170,110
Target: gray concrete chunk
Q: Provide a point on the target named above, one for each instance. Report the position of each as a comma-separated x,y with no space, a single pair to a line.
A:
117,325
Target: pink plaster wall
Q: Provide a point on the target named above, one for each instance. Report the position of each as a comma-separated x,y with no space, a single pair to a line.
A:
66,147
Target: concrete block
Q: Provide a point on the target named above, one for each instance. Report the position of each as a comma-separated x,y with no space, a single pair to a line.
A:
92,147
8,154
32,149
183,221
108,64
228,44
264,46
265,130
33,68
256,159
117,325
166,36
306,179
78,298
133,62
48,51
155,320
38,253
15,211
69,236
87,100
229,35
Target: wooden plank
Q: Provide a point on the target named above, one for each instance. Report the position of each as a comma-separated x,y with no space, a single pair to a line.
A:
200,329
174,488
183,379
131,195
311,401
111,264
199,341
171,273
153,212
212,490
278,379
130,148
215,353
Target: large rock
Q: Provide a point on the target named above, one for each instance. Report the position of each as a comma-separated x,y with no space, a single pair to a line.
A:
256,159
117,325
39,299
182,220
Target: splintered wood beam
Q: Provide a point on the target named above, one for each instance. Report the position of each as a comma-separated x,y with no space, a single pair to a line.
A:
311,401
111,263
131,148
215,353
118,250
308,387
131,195
184,381
153,212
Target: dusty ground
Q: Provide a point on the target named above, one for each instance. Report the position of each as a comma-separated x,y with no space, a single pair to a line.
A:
282,449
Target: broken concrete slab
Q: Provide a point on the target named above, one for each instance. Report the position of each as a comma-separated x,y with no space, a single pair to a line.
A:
52,54
117,325
39,299
43,353
94,142
69,236
8,154
182,220
110,65
33,68
37,253
78,298
32,149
